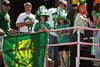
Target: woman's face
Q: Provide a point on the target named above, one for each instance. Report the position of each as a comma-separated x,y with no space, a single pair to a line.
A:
82,9
61,21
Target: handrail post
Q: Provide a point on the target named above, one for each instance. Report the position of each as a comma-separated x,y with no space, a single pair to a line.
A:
78,49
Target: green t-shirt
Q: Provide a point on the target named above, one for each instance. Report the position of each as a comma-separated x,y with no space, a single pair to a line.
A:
95,13
39,25
43,36
64,38
5,22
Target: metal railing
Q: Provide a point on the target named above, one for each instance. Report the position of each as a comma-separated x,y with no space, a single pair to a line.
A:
78,58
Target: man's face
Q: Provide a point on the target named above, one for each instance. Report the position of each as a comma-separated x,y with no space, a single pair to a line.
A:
28,8
6,7
62,5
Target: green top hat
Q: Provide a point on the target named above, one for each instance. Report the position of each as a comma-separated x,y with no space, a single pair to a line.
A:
62,15
82,1
42,11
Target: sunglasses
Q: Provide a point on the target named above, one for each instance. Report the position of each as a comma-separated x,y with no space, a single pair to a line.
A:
7,4
64,5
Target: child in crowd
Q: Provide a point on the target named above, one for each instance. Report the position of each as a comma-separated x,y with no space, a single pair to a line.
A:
42,26
63,36
42,17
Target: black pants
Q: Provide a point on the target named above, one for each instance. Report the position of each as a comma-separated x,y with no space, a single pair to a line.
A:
84,51
73,50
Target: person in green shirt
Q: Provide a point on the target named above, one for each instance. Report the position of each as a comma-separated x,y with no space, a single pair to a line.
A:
42,26
5,18
63,35
53,54
4,25
96,20
42,17
96,15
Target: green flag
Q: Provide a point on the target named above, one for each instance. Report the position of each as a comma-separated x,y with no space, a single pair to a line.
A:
26,50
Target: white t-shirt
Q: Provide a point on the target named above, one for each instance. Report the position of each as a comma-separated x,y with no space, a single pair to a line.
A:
50,19
24,17
79,22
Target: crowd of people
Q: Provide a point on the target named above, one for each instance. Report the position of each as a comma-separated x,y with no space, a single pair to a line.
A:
50,19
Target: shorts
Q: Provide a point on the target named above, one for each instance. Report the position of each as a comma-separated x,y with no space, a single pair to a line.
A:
61,48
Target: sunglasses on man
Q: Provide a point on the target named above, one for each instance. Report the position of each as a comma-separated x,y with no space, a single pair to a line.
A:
7,4
64,5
